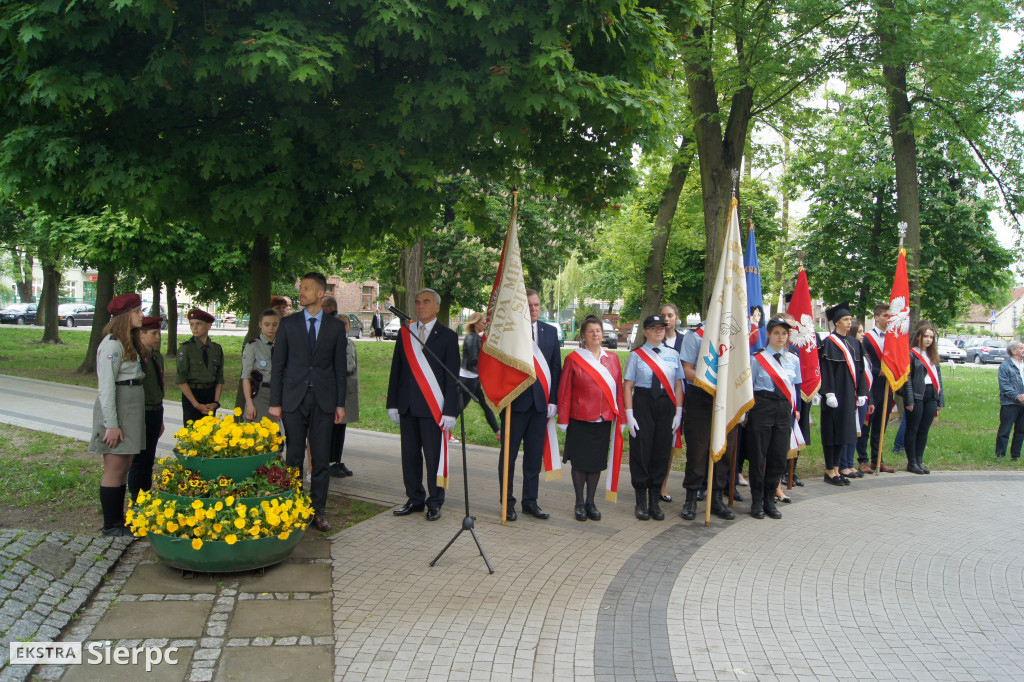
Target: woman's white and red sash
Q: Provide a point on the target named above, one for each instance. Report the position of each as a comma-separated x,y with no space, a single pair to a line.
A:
775,370
552,458
930,367
431,391
847,354
659,372
604,380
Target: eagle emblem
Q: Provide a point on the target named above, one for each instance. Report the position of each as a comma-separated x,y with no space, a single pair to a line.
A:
802,335
899,317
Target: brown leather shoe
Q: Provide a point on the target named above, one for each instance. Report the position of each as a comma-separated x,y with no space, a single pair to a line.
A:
321,523
887,469
865,468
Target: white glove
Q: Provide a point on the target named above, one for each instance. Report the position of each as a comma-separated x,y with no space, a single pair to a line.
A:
447,422
830,400
631,421
393,414
678,419
862,401
552,411
563,427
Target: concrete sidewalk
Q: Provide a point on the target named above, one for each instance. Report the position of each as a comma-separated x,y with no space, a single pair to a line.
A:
894,577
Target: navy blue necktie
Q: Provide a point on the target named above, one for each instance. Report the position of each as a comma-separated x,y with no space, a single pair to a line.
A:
312,333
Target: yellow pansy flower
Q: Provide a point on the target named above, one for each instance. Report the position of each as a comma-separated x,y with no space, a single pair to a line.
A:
231,539
197,543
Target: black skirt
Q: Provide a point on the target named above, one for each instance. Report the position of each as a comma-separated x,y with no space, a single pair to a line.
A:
586,444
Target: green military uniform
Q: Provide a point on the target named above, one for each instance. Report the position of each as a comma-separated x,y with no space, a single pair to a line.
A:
201,374
256,355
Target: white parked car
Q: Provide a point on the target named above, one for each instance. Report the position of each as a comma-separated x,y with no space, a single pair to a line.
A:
950,351
392,328
631,337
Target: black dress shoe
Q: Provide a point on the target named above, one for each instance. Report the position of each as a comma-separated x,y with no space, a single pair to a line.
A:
408,508
914,469
117,532
581,512
345,471
834,480
434,513
535,511
736,496
701,494
797,482
510,514
592,512
335,471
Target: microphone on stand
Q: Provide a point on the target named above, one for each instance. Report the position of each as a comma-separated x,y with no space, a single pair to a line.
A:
402,316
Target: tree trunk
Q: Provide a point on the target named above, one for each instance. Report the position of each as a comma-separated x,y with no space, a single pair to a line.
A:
104,292
719,153
154,310
172,318
22,269
444,315
259,295
410,277
654,272
48,302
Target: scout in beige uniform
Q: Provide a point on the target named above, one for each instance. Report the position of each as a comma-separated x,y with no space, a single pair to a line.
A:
200,369
256,357
118,425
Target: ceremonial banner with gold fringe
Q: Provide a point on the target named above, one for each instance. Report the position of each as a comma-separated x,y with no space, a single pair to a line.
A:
506,357
896,350
804,338
723,364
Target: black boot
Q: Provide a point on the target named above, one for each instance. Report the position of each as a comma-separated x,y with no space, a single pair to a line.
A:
653,506
756,506
690,505
920,465
112,503
641,505
912,466
769,507
718,507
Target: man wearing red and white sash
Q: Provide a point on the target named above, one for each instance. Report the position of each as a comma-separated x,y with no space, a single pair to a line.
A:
844,387
653,391
533,415
767,434
423,400
874,344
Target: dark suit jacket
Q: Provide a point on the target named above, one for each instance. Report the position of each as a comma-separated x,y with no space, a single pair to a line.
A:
533,397
913,389
403,391
293,368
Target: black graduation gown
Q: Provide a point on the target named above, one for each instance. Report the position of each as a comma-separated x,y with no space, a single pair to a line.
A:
839,424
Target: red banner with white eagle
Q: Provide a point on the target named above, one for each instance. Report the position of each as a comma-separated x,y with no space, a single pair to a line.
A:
896,350
804,337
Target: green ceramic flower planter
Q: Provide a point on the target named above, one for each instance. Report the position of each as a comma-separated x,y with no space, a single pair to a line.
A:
184,502
217,556
235,468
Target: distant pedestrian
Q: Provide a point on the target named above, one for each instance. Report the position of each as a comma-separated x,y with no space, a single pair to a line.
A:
1011,401
140,475
200,369
922,396
337,468
118,416
257,364
282,304
378,324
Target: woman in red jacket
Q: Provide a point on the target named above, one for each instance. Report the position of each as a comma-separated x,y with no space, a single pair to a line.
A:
591,411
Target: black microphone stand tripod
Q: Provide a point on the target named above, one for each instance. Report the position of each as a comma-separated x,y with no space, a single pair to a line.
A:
468,522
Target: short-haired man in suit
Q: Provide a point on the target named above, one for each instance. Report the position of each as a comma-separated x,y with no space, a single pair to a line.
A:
307,387
530,414
409,402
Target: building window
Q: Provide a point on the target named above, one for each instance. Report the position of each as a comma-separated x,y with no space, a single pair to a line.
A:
367,298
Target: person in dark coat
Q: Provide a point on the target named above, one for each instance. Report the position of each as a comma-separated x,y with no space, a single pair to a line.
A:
140,475
922,395
844,389
1011,401
874,345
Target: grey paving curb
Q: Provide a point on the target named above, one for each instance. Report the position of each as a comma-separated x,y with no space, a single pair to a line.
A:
46,578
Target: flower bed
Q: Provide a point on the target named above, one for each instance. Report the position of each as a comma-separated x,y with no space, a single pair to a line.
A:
268,480
214,437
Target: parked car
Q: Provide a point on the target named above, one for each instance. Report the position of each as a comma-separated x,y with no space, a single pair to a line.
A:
982,350
148,305
558,330
611,337
631,337
19,313
355,325
948,350
392,328
74,314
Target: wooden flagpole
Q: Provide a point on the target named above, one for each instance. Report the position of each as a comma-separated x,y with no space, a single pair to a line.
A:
881,437
792,471
504,465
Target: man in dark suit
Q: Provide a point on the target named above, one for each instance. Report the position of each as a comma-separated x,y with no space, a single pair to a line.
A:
307,386
408,406
874,345
530,414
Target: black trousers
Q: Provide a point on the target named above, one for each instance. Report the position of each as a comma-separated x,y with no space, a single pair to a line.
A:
919,421
765,441
697,434
651,450
873,433
140,475
421,443
529,429
202,396
474,387
309,421
337,442
1010,417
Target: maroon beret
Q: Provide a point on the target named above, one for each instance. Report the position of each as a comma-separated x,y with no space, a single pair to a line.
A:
151,322
123,303
201,315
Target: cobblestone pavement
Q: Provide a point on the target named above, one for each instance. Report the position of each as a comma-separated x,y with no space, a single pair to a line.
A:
895,577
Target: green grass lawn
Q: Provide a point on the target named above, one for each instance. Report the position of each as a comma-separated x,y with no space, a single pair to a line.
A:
963,437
